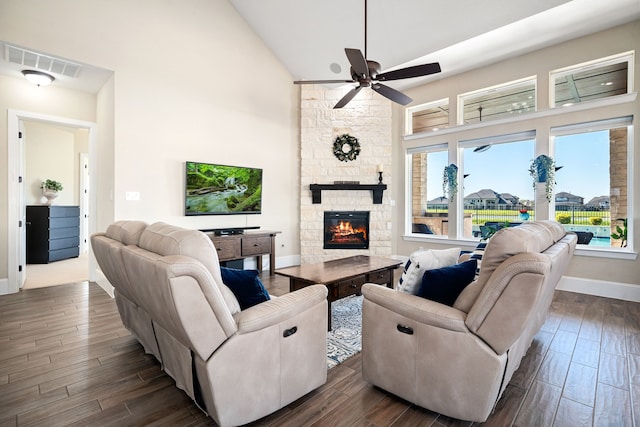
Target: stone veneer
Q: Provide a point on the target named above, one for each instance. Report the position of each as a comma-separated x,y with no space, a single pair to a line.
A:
368,118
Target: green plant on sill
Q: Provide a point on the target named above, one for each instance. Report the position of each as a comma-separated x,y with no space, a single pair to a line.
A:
543,169
621,233
52,185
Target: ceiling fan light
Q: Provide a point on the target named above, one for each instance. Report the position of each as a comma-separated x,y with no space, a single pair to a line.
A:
38,78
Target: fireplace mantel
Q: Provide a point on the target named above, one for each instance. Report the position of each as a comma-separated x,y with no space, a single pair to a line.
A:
377,190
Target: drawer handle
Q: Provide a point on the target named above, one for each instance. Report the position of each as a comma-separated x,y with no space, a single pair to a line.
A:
405,329
289,332
353,285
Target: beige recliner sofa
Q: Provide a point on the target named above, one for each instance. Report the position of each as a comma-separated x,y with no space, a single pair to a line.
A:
458,360
238,366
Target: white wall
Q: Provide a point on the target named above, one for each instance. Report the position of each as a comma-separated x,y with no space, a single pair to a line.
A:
49,154
238,107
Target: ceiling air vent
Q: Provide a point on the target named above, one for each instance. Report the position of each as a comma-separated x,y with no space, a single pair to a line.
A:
41,62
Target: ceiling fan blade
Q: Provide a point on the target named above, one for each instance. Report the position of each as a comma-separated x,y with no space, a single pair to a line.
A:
406,73
348,97
357,61
392,94
319,82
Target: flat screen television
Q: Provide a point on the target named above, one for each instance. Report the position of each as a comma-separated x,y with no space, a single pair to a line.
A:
212,189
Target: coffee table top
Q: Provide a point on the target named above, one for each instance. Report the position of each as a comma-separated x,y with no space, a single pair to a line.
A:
338,269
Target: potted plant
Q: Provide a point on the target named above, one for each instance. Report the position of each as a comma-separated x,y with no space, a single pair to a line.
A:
450,181
542,170
621,233
50,189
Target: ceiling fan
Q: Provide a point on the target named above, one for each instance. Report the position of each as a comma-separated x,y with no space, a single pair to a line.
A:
367,74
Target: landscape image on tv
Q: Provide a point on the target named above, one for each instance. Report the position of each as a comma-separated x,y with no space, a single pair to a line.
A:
219,189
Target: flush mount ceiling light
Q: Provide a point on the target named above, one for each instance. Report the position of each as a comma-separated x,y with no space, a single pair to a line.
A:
38,77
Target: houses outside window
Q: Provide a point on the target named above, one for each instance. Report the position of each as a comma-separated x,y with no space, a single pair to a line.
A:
497,191
592,181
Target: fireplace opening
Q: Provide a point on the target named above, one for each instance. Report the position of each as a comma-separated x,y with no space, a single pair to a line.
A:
346,230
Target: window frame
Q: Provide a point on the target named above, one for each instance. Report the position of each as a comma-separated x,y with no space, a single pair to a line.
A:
628,57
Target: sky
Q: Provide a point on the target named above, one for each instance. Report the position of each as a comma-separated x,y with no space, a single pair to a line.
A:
504,168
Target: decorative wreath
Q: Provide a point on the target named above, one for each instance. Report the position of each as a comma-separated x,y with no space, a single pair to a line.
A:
346,147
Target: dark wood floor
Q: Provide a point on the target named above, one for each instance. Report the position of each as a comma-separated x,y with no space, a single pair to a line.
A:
66,359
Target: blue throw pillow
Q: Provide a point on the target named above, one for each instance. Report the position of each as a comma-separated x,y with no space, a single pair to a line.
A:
443,285
245,285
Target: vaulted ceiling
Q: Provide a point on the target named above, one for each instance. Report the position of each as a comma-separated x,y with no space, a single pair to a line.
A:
309,36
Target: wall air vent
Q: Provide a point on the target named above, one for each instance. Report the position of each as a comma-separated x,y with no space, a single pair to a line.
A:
41,62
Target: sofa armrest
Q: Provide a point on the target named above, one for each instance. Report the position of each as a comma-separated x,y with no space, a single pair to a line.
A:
419,309
279,309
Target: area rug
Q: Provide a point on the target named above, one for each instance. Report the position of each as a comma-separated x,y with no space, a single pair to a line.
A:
344,340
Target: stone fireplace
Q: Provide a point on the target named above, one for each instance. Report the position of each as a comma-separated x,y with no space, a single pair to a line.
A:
346,230
368,118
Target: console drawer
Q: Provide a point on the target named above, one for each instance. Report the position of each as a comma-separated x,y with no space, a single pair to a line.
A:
256,245
227,249
382,277
351,286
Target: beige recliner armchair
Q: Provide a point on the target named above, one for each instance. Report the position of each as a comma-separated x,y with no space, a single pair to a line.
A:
238,366
458,360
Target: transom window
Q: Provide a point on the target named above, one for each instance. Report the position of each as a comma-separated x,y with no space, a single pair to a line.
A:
498,102
428,117
593,80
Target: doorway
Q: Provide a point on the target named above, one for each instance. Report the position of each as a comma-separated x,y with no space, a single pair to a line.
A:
17,187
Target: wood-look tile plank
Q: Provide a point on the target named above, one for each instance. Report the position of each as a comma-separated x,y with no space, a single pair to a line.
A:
526,372
387,410
633,343
564,342
573,414
613,407
539,407
580,385
586,352
507,407
613,370
613,343
554,368
572,317
634,369
62,418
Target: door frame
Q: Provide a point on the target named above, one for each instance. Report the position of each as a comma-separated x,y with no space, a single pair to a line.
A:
15,170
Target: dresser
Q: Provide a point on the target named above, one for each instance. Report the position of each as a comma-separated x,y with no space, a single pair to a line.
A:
53,233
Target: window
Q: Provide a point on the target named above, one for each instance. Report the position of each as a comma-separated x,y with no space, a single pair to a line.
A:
592,179
593,80
497,193
428,117
429,207
498,102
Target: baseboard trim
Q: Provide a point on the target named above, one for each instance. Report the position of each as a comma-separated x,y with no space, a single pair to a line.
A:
616,290
104,283
4,286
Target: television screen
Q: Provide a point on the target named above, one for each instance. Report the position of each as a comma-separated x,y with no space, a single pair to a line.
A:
222,190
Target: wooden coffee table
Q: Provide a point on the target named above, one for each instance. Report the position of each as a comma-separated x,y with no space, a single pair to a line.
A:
343,277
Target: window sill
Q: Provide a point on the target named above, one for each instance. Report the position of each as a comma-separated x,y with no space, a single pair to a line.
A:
612,253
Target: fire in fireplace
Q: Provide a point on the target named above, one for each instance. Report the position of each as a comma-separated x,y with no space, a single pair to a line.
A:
346,230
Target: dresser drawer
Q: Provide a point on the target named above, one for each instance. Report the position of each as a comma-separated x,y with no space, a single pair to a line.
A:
380,277
351,286
256,245
227,249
